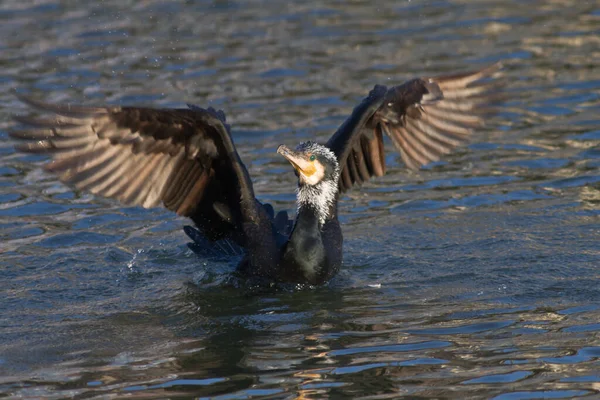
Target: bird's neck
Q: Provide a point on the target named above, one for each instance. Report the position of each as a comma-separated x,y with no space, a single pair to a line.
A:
317,202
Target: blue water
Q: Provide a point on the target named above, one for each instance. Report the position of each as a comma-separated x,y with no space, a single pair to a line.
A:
476,277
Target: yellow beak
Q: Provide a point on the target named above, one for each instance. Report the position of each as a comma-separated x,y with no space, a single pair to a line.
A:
298,160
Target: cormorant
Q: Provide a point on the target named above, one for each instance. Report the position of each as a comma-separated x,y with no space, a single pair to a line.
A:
185,159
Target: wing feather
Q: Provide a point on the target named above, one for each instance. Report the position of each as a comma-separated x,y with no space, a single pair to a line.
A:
470,120
151,194
142,179
353,171
139,156
425,118
100,183
420,145
363,170
98,167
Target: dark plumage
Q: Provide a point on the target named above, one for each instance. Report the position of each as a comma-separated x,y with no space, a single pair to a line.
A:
185,159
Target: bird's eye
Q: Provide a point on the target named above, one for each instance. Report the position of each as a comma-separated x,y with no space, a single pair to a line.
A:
313,157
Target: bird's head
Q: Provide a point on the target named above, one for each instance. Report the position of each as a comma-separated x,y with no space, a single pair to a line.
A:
318,174
313,163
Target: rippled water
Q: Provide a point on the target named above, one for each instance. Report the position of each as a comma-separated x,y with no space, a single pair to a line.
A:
474,278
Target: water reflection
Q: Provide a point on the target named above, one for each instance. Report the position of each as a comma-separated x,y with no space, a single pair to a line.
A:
274,345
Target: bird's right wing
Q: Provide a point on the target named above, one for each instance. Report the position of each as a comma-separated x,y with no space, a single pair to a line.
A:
181,158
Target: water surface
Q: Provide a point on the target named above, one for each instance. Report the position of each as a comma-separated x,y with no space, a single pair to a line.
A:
476,277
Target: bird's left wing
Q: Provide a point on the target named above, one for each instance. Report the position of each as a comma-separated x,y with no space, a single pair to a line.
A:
425,118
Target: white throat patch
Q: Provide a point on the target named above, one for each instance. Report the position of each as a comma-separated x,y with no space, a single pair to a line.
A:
316,191
320,196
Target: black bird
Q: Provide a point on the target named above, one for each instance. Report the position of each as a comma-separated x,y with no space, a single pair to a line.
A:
185,159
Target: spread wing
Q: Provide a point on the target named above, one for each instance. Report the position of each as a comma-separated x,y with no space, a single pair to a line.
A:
425,118
181,158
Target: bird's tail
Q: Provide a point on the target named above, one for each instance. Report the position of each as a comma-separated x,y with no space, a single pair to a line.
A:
211,249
